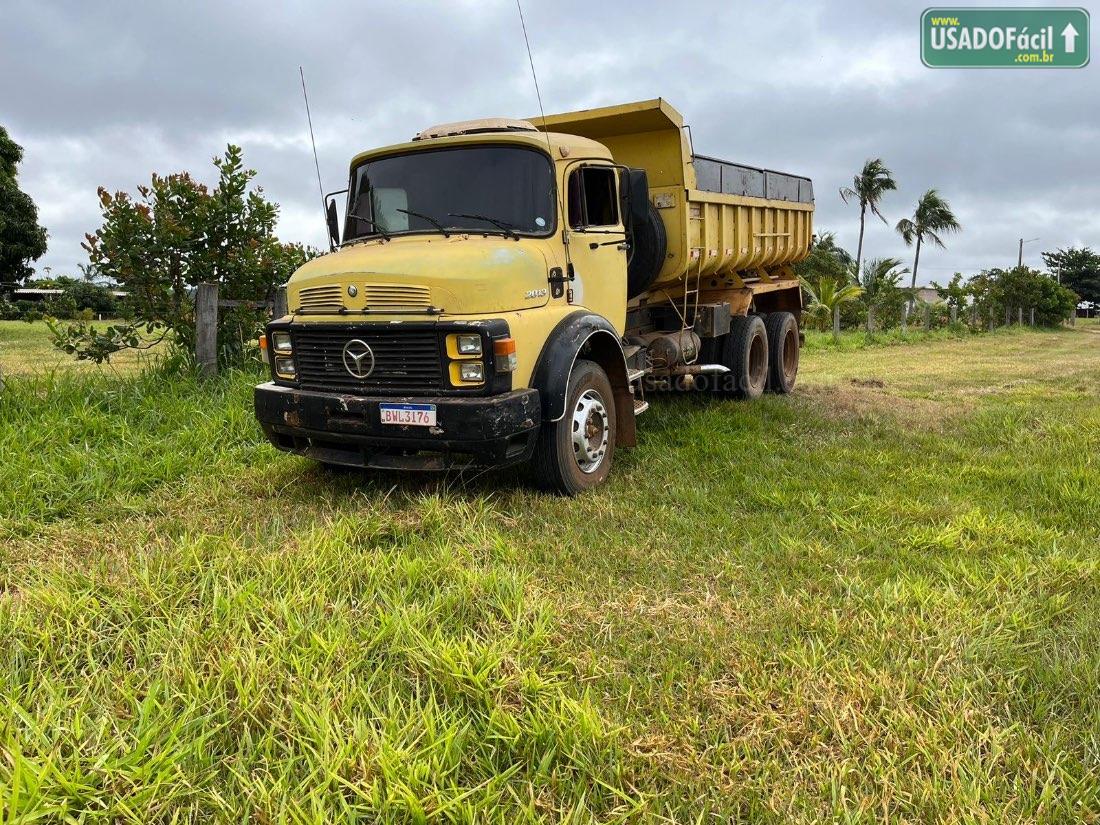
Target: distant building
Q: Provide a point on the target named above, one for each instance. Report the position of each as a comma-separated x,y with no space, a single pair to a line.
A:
928,295
33,294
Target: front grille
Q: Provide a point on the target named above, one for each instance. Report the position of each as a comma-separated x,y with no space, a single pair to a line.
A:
322,298
406,360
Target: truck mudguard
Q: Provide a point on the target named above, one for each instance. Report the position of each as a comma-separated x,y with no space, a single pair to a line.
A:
584,334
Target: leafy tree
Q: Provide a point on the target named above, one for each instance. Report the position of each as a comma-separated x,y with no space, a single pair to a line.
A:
826,260
882,294
932,218
176,234
996,292
826,299
1077,269
22,240
873,181
954,294
1026,289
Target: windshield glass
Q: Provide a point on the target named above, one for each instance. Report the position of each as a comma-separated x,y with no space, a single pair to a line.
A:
494,189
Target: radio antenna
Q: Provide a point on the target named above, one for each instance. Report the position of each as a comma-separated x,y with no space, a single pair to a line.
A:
534,76
316,163
542,114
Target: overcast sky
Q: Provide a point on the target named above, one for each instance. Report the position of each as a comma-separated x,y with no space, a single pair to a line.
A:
105,93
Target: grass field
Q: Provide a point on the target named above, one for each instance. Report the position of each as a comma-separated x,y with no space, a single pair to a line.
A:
26,348
874,600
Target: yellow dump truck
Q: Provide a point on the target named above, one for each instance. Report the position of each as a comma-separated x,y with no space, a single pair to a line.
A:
508,291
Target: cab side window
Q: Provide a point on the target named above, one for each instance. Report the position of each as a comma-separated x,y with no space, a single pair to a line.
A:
592,197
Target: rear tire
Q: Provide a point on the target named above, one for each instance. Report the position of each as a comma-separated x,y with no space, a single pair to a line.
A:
783,351
574,453
745,353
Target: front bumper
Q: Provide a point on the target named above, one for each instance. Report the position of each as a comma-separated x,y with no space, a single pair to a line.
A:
489,431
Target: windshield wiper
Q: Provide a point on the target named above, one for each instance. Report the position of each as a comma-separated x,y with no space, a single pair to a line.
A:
429,219
385,235
501,225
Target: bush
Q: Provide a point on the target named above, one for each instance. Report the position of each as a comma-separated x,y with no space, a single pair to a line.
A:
92,296
1026,289
61,306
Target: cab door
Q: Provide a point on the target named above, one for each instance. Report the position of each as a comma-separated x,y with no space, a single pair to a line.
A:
597,241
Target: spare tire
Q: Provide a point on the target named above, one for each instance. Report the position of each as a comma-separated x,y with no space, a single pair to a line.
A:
648,247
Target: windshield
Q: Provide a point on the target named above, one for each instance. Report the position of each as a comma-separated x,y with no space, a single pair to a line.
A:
491,189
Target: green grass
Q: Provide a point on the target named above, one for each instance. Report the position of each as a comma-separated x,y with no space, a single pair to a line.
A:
875,599
26,349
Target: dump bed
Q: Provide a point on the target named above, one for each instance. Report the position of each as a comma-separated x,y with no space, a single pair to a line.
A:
729,224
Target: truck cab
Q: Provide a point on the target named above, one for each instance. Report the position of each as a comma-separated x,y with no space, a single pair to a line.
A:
486,303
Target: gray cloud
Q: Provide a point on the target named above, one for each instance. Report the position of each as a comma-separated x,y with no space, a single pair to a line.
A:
104,94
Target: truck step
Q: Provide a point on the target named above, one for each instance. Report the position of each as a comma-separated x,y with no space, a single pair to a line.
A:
634,375
640,407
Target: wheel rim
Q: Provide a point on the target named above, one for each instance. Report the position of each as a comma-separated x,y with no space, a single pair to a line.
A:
591,431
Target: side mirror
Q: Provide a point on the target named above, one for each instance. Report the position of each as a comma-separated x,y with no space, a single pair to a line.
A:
637,197
333,223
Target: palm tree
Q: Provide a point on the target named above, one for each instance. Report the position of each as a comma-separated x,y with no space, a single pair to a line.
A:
867,188
932,217
880,278
826,299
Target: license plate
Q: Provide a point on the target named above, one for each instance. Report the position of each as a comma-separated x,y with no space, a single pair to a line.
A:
418,415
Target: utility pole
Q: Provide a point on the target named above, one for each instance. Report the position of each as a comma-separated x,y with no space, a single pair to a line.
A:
1020,259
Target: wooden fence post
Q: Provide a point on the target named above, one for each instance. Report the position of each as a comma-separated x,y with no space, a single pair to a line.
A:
836,322
1019,316
1032,316
904,317
206,328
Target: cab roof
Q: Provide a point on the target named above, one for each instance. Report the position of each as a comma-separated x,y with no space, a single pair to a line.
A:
560,145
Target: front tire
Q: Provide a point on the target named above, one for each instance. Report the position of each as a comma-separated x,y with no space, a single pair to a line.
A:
575,452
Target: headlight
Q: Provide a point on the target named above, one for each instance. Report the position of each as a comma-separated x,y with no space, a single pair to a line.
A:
469,345
472,371
285,368
280,341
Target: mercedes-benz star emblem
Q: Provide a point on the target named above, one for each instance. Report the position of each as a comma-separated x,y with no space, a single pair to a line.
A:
353,290
358,359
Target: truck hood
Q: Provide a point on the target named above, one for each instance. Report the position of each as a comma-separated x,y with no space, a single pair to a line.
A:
460,275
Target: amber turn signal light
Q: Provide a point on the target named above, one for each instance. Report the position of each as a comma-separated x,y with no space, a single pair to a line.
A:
504,352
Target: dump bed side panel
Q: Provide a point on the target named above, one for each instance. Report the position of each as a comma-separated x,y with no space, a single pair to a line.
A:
741,241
